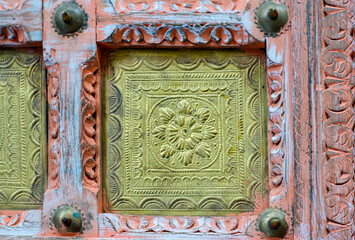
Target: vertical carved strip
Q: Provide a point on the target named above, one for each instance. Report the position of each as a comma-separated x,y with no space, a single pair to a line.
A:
53,125
89,136
338,91
275,84
301,118
280,123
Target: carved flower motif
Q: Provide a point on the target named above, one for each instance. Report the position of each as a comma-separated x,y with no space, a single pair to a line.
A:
184,133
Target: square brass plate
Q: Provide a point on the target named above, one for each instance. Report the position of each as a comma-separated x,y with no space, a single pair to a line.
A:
185,131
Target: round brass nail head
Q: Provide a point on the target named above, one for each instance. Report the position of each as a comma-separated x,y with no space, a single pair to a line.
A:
69,19
272,223
68,219
271,17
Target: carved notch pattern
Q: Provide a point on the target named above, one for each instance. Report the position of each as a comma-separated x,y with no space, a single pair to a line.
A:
172,6
275,81
21,130
338,81
231,35
53,76
195,111
89,147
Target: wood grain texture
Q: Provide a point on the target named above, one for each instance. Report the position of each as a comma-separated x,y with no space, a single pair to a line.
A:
64,58
301,119
21,22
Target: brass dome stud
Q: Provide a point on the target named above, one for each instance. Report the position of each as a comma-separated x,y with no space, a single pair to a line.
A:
68,219
272,223
69,19
271,17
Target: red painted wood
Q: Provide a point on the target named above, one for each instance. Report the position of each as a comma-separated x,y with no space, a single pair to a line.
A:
310,96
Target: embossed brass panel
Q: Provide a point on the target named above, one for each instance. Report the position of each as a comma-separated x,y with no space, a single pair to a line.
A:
22,131
185,132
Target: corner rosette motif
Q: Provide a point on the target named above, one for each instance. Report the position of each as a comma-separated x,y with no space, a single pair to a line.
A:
185,133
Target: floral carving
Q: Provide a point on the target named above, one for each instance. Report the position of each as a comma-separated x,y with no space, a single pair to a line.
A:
169,34
185,133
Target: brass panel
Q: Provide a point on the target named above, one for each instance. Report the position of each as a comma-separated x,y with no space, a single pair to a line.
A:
22,131
186,132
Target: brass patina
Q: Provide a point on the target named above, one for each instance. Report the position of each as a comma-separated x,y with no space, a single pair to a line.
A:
271,17
69,19
22,131
185,131
272,223
68,219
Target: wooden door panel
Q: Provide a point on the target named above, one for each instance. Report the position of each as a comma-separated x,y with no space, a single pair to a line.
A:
309,118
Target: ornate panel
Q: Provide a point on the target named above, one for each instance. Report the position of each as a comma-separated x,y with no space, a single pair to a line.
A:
185,130
22,131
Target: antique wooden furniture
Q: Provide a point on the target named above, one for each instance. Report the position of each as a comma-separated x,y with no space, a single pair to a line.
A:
167,119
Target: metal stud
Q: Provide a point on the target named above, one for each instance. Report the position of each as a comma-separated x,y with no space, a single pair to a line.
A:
69,19
272,223
271,17
68,219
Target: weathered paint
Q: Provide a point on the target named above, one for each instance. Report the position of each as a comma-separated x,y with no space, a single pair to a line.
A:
290,127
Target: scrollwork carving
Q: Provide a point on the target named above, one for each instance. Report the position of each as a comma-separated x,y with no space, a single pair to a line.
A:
117,224
53,79
89,146
231,35
338,117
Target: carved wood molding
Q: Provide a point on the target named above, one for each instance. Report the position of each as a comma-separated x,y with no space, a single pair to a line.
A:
277,152
89,135
174,6
338,91
20,223
113,225
53,77
185,34
13,35
301,130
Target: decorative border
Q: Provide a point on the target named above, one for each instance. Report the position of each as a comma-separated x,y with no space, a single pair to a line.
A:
89,135
13,34
53,76
115,225
26,223
184,34
338,119
277,130
176,6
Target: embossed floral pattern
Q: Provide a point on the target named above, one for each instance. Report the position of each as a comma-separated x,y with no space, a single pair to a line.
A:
184,133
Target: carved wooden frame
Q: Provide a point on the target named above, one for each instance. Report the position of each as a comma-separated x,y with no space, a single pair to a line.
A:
311,109
181,33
